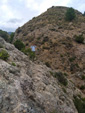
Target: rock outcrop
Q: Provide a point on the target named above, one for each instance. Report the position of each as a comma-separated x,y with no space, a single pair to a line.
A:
30,88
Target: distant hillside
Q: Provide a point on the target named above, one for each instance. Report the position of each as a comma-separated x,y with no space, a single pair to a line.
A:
10,33
4,35
55,39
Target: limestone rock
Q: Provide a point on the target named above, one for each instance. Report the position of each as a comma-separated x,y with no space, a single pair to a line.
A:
30,88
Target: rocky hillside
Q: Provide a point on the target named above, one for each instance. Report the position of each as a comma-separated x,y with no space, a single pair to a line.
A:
26,87
54,38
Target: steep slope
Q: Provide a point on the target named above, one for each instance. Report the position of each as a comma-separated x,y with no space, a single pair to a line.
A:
54,39
26,87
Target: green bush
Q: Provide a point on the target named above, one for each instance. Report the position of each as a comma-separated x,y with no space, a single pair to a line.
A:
79,39
29,52
80,104
26,51
13,64
61,78
70,14
3,54
19,44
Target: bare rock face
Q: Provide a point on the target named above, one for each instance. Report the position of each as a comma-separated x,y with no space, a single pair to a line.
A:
30,88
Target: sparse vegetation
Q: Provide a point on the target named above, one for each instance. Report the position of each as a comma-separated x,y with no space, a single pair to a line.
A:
4,54
13,64
71,59
47,64
61,78
79,38
70,14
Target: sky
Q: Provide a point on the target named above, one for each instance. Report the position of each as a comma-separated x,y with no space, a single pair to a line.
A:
15,13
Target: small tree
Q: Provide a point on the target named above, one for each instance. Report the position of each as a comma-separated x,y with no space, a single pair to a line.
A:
19,44
70,14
